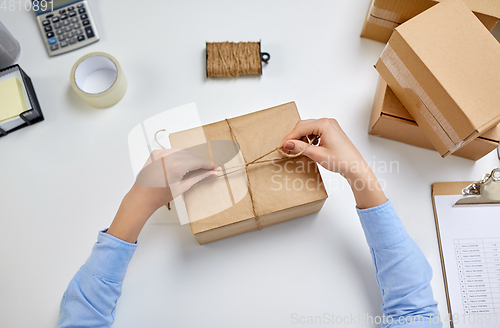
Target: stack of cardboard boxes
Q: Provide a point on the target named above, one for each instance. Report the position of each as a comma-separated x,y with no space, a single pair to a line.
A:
440,73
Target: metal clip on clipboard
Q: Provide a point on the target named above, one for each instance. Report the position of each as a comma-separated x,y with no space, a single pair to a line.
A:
484,192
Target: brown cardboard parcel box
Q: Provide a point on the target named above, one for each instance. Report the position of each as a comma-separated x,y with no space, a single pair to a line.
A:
282,189
444,67
385,15
391,120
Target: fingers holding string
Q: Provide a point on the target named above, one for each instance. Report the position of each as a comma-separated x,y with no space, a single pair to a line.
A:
306,128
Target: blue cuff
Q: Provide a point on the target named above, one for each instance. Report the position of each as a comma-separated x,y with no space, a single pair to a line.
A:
110,257
382,226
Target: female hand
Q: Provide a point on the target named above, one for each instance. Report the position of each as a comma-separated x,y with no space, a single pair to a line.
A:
171,172
335,152
166,174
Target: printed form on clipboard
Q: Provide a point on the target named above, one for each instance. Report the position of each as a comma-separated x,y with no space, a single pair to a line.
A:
467,217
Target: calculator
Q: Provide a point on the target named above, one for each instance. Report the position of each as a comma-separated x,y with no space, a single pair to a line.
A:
65,25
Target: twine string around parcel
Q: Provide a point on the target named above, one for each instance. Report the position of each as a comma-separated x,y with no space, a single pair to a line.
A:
258,160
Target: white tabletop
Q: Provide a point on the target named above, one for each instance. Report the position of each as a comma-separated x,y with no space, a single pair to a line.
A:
62,180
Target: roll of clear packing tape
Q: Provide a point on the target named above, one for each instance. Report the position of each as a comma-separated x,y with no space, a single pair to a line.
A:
98,79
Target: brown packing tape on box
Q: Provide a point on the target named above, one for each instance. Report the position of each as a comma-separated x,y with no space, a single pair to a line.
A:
391,120
257,133
443,66
385,15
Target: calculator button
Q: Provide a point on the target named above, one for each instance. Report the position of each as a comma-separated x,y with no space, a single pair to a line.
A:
83,17
76,25
74,19
62,11
81,38
72,13
70,34
50,35
48,28
52,40
57,25
72,41
80,5
81,11
60,31
66,22
64,43
54,47
85,22
46,22
89,32
78,31
48,16
55,19
68,28
62,37
63,17
71,8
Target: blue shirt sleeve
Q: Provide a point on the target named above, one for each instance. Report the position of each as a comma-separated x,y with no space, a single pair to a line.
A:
403,274
91,297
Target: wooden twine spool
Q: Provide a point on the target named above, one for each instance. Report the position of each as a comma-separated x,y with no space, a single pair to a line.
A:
230,59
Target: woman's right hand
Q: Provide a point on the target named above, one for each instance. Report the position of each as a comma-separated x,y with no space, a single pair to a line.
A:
335,152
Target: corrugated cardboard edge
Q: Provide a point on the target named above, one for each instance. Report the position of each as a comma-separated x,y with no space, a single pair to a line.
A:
445,188
249,225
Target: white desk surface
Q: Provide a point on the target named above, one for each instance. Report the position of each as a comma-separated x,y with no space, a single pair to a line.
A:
62,180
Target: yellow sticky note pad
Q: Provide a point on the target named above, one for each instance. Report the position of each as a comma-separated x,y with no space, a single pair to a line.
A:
12,99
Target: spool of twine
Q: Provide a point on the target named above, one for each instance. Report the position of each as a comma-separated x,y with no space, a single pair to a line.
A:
230,59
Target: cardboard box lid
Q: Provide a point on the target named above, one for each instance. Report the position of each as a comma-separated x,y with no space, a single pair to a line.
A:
462,55
257,133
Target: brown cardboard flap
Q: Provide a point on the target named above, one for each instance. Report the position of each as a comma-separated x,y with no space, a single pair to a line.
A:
493,134
378,103
386,103
392,105
392,121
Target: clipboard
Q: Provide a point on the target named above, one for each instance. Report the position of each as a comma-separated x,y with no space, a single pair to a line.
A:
464,247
